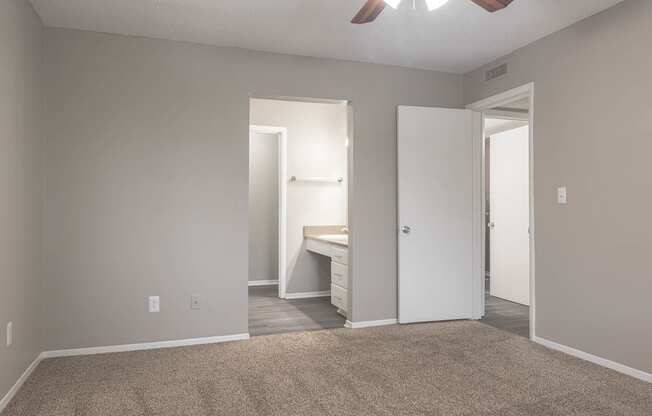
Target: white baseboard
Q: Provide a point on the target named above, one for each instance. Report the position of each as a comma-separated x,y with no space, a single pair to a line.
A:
263,282
369,324
144,346
305,295
621,368
21,380
113,348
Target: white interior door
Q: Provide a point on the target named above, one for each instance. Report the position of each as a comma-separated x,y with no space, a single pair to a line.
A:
435,202
509,203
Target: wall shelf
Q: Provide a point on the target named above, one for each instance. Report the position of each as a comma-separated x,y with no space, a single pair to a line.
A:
318,179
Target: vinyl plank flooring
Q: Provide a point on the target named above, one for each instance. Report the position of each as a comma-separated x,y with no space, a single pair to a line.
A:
506,315
270,315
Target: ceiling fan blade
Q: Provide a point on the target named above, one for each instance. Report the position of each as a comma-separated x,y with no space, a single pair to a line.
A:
369,11
492,5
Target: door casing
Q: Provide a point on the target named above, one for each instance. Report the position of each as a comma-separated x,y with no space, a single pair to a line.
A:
281,132
498,100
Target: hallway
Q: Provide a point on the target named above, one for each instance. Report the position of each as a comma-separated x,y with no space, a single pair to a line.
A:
506,315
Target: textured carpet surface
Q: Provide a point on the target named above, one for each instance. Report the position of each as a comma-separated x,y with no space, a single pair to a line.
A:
454,368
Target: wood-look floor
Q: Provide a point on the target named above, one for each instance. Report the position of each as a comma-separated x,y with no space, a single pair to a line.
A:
270,315
508,316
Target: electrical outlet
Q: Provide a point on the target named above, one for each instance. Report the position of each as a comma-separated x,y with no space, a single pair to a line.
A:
194,302
10,334
154,304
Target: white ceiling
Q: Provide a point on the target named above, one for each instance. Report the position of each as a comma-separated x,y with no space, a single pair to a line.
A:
458,38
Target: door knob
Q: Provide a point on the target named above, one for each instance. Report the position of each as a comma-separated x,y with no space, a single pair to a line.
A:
491,225
406,229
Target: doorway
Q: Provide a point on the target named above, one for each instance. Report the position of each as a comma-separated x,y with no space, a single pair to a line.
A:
442,211
507,293
508,254
298,195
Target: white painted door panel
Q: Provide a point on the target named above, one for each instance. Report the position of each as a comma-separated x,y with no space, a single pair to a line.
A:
509,211
435,193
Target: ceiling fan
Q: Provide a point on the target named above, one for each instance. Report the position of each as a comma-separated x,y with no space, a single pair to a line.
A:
372,8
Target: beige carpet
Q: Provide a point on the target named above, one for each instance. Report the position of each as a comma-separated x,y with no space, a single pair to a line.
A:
456,368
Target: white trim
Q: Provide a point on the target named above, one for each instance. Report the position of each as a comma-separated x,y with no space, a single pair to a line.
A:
514,94
144,346
621,368
113,348
263,282
507,115
369,324
267,129
282,133
306,295
524,91
21,380
478,250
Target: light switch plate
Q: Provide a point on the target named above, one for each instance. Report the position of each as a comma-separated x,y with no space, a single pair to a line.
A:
194,302
154,304
10,334
562,197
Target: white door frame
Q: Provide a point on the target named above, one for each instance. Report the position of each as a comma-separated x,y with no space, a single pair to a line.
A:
282,133
525,91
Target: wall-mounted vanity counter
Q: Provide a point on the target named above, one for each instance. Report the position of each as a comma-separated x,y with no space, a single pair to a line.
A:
333,242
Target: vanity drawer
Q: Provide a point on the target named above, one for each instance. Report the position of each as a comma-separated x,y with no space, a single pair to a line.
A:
339,275
340,255
319,247
338,297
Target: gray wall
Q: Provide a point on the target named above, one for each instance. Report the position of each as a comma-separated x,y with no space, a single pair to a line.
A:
147,173
263,207
21,182
316,137
592,133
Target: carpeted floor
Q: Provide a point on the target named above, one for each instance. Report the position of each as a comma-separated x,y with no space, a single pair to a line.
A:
454,368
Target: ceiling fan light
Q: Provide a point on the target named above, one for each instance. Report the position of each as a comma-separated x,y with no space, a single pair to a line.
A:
434,4
393,3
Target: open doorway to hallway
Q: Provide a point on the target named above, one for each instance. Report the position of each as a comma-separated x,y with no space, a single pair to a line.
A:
507,216
298,215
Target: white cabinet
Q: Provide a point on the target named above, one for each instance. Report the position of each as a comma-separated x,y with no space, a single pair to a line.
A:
338,297
339,255
319,247
339,274
339,277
